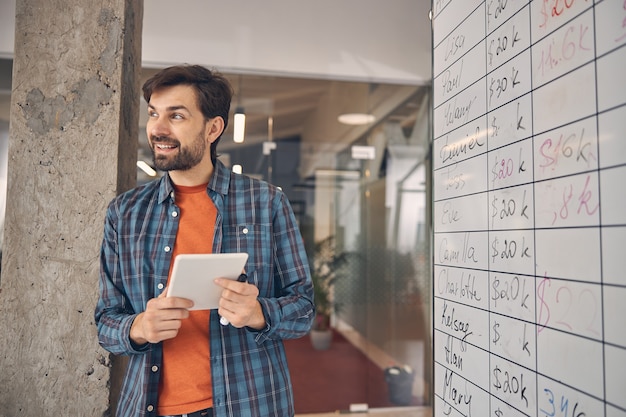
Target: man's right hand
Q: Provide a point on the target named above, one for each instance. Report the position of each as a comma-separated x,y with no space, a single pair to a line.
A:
161,320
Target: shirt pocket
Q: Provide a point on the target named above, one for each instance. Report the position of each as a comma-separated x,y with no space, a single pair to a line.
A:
256,241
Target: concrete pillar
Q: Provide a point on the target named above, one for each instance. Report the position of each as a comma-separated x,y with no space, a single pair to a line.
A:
72,147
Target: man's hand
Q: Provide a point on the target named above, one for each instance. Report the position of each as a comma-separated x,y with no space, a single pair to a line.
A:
239,305
161,320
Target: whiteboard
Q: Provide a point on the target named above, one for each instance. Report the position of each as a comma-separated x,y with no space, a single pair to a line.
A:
529,210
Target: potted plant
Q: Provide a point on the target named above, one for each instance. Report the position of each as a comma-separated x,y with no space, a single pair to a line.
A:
325,270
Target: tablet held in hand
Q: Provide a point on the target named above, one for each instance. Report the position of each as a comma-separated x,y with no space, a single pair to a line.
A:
193,275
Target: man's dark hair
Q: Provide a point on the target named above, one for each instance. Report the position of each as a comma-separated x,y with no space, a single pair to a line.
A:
213,91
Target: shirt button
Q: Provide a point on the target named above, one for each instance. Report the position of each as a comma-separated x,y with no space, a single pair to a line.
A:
245,230
155,368
172,194
167,249
160,286
150,408
174,214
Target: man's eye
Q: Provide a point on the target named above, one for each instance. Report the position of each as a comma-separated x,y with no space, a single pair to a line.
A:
177,116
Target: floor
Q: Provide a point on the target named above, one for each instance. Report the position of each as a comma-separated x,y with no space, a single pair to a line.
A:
382,359
379,357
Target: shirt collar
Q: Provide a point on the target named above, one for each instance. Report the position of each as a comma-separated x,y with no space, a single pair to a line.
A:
219,182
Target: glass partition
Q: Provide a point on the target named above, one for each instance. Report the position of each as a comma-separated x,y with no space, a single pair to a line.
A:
363,206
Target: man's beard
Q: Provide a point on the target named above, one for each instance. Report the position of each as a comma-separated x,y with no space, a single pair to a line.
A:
186,157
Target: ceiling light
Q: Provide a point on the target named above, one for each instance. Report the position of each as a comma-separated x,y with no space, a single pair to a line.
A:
356,118
146,168
239,127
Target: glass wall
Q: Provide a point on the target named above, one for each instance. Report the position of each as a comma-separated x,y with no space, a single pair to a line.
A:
361,195
6,66
364,212
4,150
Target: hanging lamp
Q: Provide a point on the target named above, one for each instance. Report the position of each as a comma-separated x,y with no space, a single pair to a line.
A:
239,126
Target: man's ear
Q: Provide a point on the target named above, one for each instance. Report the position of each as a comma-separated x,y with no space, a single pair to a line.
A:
214,128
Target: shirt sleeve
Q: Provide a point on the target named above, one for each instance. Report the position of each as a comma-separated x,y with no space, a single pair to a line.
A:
113,315
290,314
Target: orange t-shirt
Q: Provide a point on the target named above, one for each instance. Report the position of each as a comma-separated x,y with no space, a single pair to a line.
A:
185,383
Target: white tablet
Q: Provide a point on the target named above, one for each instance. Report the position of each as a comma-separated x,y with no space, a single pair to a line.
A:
193,275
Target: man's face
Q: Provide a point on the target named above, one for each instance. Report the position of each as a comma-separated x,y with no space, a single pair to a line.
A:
176,129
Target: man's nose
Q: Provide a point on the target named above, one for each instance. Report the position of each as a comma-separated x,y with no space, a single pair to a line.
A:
158,127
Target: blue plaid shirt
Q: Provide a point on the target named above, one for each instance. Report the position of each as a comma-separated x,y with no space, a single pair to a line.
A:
249,368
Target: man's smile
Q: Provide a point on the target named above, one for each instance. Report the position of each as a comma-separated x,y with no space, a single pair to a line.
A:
164,146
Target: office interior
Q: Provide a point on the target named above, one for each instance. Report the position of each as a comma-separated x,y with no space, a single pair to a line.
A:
363,187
